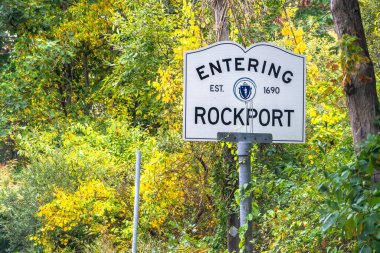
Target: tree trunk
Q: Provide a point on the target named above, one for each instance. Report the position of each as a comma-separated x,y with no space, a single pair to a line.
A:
86,74
360,86
221,22
222,34
68,82
63,99
230,185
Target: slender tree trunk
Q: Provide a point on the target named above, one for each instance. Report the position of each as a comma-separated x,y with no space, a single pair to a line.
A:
223,34
221,22
63,99
230,185
64,88
86,82
360,86
68,82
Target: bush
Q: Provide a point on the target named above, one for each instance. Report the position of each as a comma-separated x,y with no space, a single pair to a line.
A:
353,200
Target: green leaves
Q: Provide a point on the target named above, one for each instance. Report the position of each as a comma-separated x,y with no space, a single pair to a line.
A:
366,249
356,212
86,82
329,221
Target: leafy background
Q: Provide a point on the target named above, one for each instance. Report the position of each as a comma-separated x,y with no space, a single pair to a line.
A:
85,83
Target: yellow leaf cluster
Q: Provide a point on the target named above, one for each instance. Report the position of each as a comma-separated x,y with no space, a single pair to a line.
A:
325,119
293,37
86,22
313,71
86,208
162,188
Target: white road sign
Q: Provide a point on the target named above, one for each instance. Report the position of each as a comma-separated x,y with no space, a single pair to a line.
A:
228,88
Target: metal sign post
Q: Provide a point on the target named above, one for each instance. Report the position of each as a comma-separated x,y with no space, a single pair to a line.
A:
244,142
136,210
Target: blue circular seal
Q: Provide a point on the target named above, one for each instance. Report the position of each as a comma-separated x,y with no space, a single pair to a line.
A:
245,89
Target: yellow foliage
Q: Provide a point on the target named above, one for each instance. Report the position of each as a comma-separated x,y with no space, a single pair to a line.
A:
313,71
324,117
160,187
87,22
169,85
293,37
87,210
168,184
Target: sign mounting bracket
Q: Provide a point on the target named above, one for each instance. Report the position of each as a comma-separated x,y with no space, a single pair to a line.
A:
245,137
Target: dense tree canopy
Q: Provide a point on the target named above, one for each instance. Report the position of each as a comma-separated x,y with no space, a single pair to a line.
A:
85,83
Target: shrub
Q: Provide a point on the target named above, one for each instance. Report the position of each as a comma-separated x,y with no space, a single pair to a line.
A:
353,199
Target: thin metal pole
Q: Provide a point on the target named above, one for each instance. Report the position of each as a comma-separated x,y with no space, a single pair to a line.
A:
136,211
245,202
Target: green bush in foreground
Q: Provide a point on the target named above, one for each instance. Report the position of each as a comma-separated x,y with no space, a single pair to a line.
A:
353,205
